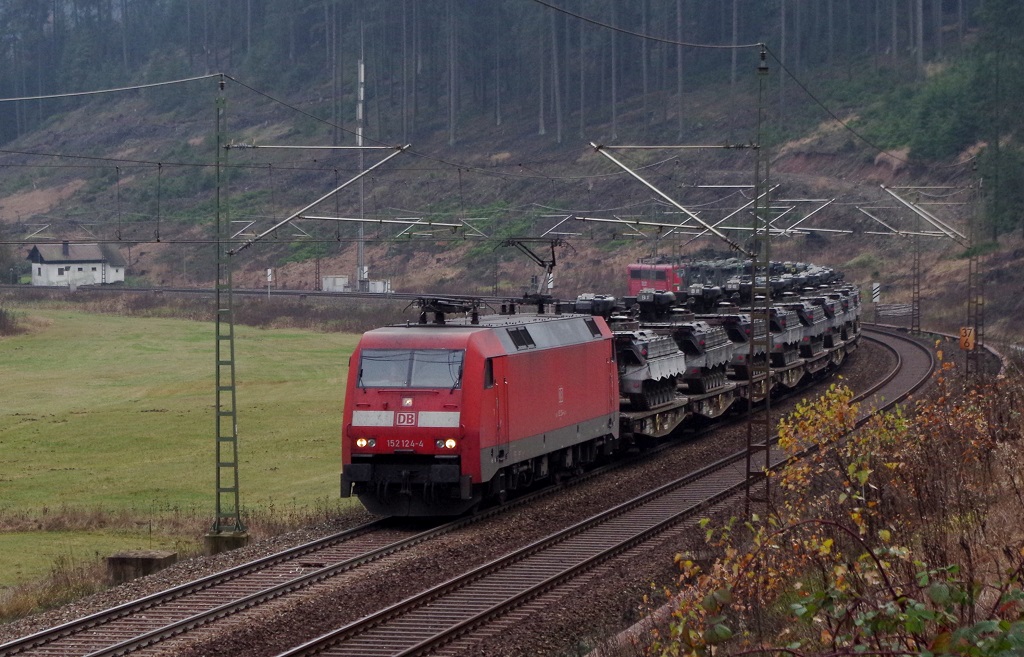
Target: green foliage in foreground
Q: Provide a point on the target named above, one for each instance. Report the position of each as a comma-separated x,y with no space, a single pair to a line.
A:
113,417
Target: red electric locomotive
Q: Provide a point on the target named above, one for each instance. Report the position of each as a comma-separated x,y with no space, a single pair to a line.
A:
432,427
655,276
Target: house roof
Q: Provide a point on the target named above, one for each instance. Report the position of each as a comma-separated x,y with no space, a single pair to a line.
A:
54,253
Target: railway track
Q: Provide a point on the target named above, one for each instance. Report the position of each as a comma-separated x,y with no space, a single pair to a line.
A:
250,292
154,618
485,599
148,621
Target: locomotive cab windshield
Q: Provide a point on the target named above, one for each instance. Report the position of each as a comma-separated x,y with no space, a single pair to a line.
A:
411,368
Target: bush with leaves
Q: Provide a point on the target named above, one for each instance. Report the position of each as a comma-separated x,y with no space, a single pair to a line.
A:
898,537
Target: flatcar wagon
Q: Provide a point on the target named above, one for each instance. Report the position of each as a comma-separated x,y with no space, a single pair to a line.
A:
441,416
431,425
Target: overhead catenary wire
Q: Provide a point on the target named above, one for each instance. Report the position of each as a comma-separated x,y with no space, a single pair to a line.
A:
523,170
746,46
649,37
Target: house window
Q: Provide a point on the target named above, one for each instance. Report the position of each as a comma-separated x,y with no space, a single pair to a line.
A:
94,269
80,269
60,271
39,271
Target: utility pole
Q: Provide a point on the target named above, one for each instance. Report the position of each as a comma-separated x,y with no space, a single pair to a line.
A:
362,275
227,532
973,334
759,425
915,289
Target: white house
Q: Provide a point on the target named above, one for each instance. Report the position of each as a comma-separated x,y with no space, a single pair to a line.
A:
74,265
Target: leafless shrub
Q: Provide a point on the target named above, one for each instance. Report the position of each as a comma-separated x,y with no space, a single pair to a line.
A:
328,314
68,580
9,322
71,578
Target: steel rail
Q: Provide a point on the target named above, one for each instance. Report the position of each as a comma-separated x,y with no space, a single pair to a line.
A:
426,621
244,602
180,593
44,637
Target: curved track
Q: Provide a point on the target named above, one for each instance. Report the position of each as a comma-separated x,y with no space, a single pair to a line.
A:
503,585
497,594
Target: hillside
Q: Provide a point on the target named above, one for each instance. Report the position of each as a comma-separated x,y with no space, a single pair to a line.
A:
136,169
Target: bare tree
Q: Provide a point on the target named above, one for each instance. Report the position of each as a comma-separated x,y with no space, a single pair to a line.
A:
894,31
556,78
497,64
452,78
615,76
643,63
782,59
405,71
583,75
918,15
735,38
541,125
679,66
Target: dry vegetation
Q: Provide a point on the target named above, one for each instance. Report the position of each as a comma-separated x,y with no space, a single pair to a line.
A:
72,578
331,315
9,324
901,539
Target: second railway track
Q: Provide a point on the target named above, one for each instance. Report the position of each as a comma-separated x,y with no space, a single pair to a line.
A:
309,567
482,599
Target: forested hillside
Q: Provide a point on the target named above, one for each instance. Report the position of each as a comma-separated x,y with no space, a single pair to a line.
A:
498,98
438,62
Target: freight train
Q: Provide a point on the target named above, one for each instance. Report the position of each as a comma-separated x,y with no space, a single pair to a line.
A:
443,414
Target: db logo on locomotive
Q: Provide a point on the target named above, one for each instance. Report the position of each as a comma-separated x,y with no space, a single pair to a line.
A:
405,419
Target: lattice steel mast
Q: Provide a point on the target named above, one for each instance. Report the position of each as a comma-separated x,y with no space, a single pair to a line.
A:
975,293
759,425
228,519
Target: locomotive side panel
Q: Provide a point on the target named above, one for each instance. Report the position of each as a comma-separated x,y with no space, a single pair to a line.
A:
572,398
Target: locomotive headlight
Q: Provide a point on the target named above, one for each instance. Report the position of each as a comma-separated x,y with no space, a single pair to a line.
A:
445,443
366,442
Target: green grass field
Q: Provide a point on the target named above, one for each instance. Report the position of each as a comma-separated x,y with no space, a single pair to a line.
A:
107,422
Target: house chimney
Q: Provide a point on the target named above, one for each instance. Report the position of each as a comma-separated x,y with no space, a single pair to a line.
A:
66,249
